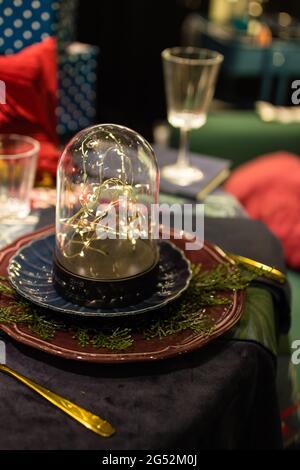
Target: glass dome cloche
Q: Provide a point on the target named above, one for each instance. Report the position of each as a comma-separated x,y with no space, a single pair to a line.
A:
105,253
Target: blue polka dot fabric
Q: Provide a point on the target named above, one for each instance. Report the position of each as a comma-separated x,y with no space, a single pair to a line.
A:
77,79
25,22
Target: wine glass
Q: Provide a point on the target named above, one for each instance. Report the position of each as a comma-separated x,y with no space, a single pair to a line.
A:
190,75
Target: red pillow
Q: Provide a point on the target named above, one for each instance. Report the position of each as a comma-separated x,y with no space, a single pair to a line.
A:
30,77
269,189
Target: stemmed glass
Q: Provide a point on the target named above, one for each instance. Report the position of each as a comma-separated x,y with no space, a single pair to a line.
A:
190,75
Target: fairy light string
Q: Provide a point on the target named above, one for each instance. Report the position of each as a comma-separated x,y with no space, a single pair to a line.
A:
88,224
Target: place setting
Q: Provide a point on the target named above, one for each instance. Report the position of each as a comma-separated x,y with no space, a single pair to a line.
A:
148,231
81,295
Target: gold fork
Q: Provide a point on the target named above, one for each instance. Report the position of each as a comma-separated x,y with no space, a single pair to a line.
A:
87,419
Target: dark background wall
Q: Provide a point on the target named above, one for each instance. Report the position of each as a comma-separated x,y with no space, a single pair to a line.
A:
131,35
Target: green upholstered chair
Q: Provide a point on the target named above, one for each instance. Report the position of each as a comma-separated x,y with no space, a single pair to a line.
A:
241,136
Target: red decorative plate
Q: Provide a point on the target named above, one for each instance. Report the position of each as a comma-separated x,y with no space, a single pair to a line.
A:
63,344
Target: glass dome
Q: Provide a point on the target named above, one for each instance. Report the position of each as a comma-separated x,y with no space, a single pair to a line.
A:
107,181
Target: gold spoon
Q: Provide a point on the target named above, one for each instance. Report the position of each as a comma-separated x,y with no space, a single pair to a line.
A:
268,271
87,419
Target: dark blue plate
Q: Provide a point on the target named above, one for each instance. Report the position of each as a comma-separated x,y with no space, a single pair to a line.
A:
30,273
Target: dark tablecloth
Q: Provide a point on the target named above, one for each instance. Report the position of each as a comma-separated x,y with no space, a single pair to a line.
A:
222,396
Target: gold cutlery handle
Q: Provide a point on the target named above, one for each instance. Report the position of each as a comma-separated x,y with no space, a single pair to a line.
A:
87,419
268,271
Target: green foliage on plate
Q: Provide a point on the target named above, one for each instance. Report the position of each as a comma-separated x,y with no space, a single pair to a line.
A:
190,312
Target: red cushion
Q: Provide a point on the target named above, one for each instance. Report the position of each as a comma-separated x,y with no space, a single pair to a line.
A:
269,189
31,87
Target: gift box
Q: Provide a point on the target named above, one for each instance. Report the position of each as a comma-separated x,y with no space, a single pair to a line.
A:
26,22
77,81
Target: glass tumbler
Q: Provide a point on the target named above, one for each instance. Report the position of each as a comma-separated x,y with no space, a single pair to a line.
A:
18,160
